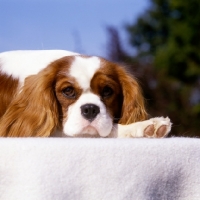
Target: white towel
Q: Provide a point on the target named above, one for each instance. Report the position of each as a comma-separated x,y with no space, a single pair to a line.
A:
99,169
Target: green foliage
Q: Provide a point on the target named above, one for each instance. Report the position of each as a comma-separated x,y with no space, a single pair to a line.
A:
151,29
182,47
170,31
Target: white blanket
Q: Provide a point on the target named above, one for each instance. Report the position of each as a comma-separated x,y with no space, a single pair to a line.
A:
99,169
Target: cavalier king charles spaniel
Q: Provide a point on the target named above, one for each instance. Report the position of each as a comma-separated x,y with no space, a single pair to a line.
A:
60,93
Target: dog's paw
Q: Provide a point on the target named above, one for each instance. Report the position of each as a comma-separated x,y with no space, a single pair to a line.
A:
159,128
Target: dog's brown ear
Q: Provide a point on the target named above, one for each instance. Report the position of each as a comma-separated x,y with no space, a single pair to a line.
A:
34,111
133,108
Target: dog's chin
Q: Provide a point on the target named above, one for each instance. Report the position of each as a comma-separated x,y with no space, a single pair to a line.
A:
88,131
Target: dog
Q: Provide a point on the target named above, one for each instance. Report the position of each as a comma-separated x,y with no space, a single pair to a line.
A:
59,93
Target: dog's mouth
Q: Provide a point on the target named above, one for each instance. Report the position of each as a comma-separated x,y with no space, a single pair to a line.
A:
88,131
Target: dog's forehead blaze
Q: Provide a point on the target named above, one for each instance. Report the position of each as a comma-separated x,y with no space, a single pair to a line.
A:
83,69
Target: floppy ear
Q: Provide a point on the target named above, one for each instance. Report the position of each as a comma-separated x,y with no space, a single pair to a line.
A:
133,108
34,112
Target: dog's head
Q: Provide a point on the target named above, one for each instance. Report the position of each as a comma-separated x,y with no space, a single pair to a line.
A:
78,95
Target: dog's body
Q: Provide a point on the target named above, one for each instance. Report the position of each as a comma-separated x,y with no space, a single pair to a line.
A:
61,93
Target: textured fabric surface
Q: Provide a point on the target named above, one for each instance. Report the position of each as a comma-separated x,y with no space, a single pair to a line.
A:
95,169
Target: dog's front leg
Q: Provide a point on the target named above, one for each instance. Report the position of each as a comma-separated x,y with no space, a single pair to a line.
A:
158,127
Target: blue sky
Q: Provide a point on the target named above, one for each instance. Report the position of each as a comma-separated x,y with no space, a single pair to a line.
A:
75,25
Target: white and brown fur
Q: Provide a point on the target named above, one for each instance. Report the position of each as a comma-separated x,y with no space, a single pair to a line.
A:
60,93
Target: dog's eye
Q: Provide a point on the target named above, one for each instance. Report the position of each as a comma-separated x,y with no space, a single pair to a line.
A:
69,92
106,92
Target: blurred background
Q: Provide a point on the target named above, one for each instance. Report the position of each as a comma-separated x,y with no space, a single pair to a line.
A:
159,40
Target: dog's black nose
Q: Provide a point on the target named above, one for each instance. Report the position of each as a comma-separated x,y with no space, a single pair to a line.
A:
90,111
